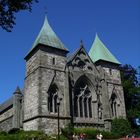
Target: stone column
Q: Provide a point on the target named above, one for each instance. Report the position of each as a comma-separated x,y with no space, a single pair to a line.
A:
106,105
78,109
83,107
88,107
17,100
94,110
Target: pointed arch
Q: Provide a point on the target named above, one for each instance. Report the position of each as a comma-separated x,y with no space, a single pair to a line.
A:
83,93
52,98
115,103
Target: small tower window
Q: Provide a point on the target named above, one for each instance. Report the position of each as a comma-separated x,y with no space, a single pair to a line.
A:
53,61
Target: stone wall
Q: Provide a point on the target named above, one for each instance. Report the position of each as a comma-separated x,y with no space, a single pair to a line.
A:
47,67
7,114
31,125
6,120
31,94
7,124
113,78
50,126
52,71
43,69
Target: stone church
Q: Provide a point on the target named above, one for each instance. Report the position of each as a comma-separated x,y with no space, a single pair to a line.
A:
83,88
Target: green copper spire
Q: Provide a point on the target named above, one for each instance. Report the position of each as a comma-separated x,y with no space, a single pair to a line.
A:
48,37
98,51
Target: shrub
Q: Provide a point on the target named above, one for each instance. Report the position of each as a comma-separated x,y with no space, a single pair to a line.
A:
68,131
3,133
109,135
91,133
13,130
24,135
62,137
121,127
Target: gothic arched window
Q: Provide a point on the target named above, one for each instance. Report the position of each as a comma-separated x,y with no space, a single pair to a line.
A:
113,105
52,98
82,99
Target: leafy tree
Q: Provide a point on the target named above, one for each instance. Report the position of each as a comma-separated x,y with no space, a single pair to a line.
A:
8,9
121,127
131,86
138,74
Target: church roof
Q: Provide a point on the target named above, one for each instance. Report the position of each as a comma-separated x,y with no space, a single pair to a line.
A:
71,56
6,104
48,37
99,51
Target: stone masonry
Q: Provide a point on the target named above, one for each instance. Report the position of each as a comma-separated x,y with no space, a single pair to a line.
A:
87,91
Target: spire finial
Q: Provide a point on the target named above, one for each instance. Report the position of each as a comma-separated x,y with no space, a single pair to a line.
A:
45,9
96,34
81,43
17,91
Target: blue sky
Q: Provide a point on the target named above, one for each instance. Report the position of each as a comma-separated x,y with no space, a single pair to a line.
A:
117,23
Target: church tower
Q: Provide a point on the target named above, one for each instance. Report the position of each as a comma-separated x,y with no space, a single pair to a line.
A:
46,83
102,57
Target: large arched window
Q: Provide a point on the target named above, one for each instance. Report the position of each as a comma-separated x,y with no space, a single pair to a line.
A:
52,98
82,99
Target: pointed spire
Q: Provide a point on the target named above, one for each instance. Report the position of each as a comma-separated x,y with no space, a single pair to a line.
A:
99,51
81,43
48,37
17,91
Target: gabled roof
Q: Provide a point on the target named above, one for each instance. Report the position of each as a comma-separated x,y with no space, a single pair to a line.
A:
99,51
48,37
71,56
77,52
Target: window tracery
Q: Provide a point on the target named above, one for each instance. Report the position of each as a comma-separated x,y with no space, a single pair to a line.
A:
82,100
52,99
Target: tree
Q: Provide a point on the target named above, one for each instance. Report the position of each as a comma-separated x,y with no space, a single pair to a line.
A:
8,9
121,127
138,74
131,86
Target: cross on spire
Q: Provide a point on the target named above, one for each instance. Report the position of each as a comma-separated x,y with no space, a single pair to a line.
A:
45,9
81,43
